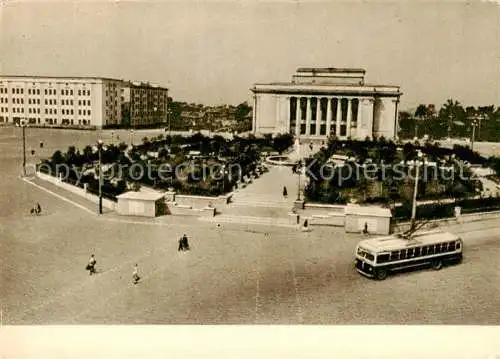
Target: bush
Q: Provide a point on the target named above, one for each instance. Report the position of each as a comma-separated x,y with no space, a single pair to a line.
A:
446,210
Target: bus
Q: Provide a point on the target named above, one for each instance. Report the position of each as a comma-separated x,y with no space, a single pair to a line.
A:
378,257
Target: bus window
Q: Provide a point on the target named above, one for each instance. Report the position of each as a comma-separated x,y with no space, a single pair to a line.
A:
417,251
444,247
395,256
458,245
383,258
402,254
437,248
424,251
451,247
430,249
410,252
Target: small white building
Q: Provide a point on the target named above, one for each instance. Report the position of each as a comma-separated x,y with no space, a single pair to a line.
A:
143,204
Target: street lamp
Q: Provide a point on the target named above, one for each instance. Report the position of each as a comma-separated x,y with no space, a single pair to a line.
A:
23,123
298,185
420,155
99,148
169,112
474,124
131,137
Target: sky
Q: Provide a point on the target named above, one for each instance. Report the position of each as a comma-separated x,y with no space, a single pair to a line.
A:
212,52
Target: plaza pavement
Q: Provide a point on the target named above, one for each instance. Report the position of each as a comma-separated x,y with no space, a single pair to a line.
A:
236,273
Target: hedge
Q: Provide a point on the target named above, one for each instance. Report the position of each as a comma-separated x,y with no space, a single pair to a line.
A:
447,210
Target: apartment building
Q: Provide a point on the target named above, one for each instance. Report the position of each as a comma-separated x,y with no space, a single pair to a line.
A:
87,102
145,104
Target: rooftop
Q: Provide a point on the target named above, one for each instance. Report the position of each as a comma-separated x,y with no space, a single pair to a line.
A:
146,196
393,242
330,70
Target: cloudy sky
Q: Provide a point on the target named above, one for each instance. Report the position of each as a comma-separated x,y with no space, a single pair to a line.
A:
213,51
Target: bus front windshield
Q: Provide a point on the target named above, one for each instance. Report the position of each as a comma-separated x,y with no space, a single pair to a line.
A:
365,254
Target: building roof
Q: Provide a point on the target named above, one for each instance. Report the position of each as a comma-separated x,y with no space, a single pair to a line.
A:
145,196
60,77
291,88
393,242
375,211
331,70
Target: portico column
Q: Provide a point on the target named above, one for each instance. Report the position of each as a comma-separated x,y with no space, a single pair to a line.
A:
339,116
349,117
318,115
308,117
328,116
297,117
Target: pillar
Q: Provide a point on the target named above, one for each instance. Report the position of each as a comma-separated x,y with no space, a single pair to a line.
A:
308,117
318,115
254,113
297,117
328,116
349,117
339,117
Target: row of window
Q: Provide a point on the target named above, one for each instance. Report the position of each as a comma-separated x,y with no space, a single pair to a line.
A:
418,252
64,92
47,102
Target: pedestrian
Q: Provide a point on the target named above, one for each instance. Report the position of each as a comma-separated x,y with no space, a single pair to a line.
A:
91,265
41,144
185,243
38,208
135,275
285,192
181,245
365,229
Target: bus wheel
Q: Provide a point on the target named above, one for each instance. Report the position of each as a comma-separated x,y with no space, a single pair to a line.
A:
381,274
437,264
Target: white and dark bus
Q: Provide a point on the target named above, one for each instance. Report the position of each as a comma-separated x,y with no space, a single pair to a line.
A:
377,257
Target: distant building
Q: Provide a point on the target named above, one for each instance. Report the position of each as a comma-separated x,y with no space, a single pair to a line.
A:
320,102
72,101
145,104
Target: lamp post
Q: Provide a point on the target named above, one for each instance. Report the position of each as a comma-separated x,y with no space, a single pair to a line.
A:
474,124
99,148
415,190
23,123
131,137
298,185
169,112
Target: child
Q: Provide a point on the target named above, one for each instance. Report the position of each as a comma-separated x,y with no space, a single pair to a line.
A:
135,275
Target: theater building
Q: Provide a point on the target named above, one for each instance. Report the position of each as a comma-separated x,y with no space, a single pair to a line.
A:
321,102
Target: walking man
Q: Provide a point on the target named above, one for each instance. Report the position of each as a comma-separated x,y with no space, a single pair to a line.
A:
135,275
91,265
285,192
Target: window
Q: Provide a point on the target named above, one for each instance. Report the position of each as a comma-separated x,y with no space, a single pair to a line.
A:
430,250
423,251
383,258
79,92
444,247
451,247
411,252
38,91
88,102
395,256
402,254
457,246
88,92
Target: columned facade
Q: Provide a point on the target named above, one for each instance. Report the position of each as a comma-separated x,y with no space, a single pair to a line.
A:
320,103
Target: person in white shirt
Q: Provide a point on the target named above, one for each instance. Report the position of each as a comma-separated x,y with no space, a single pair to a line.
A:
135,275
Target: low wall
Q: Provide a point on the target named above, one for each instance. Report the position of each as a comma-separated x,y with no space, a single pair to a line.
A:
184,210
76,190
198,202
333,219
463,218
